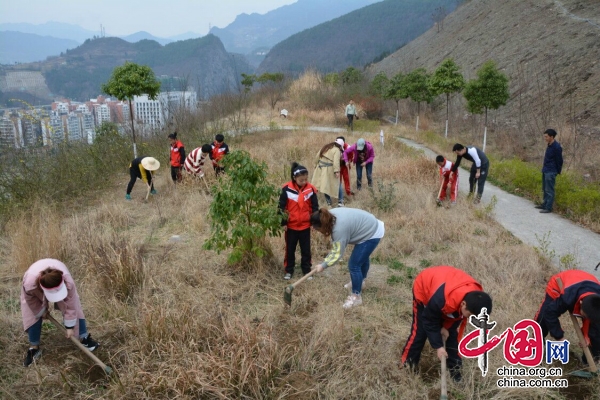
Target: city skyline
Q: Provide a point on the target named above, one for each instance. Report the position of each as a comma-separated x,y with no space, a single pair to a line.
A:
165,19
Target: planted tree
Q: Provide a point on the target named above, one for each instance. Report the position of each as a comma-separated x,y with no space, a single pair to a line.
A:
417,88
274,86
488,91
396,91
379,85
243,211
131,80
447,79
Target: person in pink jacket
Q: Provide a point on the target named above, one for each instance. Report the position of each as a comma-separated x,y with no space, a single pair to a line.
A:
45,281
364,154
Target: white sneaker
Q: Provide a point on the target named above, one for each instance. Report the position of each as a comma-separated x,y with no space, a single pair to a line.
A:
352,301
287,277
349,285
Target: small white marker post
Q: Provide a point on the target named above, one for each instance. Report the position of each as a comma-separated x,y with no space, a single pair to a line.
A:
381,137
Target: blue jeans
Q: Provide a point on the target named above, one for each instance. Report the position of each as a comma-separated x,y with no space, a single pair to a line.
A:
35,332
359,263
359,170
548,183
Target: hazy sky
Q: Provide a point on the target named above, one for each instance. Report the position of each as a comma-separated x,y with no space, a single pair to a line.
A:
123,17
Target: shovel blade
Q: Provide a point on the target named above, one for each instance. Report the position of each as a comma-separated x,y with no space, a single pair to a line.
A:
582,374
287,295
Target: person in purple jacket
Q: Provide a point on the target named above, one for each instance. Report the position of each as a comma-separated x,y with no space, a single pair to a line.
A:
364,154
45,281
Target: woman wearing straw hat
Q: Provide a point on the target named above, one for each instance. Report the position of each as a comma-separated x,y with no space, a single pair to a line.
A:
45,281
141,168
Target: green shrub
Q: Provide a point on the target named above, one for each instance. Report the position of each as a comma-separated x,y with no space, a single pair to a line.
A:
385,196
243,210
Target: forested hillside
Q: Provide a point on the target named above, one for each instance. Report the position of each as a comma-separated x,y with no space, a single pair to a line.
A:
203,62
356,38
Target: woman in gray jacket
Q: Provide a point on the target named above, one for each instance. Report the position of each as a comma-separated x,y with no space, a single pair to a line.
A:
349,226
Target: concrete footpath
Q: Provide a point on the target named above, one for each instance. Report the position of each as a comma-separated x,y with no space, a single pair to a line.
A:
519,216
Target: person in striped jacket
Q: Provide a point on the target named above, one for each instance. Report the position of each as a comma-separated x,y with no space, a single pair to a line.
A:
297,202
447,176
195,160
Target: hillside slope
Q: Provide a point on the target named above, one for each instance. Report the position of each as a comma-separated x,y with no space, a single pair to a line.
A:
548,48
356,38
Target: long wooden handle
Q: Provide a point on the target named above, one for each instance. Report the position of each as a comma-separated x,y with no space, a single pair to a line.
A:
87,352
444,392
305,277
586,349
440,192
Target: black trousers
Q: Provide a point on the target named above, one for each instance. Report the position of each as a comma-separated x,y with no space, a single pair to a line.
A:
133,176
411,354
350,121
176,174
292,238
483,173
593,333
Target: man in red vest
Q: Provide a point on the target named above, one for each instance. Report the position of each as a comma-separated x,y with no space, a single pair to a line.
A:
579,293
443,299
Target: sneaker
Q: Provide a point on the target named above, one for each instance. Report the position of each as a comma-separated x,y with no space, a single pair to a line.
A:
31,356
545,211
153,191
349,285
452,204
351,193
539,207
90,343
127,197
352,301
477,200
287,277
340,204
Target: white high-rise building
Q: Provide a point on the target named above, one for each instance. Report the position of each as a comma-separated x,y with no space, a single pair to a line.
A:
8,133
57,132
74,133
102,113
147,112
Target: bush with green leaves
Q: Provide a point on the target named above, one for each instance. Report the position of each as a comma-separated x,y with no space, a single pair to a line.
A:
385,196
244,211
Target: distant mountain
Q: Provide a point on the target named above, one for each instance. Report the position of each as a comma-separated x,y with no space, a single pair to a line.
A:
18,47
78,74
143,35
355,39
249,32
185,36
54,29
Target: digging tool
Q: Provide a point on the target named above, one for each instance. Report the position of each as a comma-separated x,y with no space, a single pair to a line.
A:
586,350
205,183
87,352
287,293
148,193
437,199
444,392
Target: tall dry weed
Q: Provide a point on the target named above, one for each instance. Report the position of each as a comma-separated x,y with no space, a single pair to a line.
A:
35,234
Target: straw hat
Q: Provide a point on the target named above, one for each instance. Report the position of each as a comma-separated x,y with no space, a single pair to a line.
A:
150,163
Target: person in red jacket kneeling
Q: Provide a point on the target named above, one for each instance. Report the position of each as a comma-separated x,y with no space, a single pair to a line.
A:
443,299
298,201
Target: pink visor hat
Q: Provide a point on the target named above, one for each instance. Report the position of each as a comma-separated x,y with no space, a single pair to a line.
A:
57,293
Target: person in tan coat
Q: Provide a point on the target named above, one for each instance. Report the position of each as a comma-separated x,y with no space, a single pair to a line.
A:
327,172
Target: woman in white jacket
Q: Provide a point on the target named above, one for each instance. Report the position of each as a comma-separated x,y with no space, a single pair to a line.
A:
45,281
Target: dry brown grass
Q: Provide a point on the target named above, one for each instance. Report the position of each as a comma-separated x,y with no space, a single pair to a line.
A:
190,327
